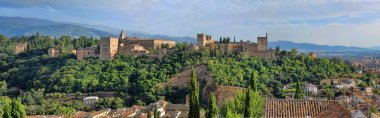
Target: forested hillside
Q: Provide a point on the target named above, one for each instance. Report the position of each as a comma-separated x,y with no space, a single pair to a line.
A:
273,74
137,79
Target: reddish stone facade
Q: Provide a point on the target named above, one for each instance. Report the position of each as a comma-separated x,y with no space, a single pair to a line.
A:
86,52
52,52
108,47
146,43
258,49
21,47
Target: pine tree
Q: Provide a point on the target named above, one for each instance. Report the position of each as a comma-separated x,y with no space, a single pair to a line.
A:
299,91
220,40
156,115
18,110
148,113
194,96
212,109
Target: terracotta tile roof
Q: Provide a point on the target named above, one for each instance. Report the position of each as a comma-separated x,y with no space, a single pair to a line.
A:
335,111
174,107
82,114
275,108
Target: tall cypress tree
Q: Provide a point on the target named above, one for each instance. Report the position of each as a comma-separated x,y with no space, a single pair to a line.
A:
247,107
299,91
212,109
254,103
253,82
156,112
194,96
148,113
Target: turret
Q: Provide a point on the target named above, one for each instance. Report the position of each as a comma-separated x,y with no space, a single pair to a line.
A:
122,34
262,43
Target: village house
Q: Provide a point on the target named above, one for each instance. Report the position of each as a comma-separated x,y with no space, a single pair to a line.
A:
343,98
368,90
90,101
313,89
164,108
344,84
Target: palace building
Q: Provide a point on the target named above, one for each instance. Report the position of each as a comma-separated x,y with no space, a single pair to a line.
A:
110,46
146,43
259,49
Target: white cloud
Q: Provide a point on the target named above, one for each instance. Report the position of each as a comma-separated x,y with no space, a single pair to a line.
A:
318,21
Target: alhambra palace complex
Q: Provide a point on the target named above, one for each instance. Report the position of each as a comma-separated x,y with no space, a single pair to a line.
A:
110,46
259,49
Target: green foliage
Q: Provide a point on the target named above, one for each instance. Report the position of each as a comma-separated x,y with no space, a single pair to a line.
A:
194,96
18,110
330,94
156,115
252,81
110,102
236,107
6,105
212,109
148,113
3,87
254,103
299,91
274,73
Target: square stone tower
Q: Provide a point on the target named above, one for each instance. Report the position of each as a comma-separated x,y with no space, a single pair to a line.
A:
262,43
204,40
201,40
108,47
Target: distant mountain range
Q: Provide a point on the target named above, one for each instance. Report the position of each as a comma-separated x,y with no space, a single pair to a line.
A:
375,48
19,26
309,47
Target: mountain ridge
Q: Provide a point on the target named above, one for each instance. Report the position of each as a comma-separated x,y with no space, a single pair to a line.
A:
309,47
21,26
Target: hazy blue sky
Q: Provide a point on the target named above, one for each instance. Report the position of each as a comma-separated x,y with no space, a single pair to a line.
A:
331,22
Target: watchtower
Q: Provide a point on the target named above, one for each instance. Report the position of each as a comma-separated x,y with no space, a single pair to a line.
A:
262,43
108,47
201,40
